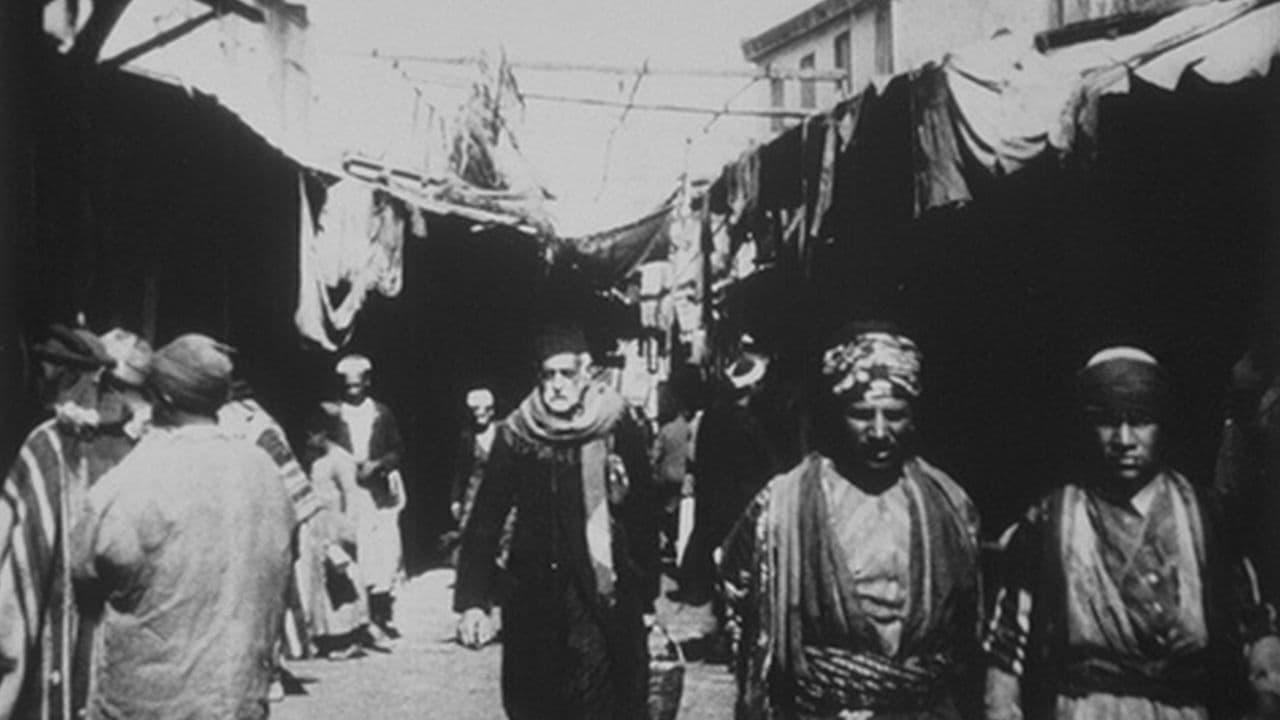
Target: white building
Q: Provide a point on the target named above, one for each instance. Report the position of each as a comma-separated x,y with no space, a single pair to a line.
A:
846,43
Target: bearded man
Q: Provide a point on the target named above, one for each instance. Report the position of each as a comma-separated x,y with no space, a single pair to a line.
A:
1122,592
852,579
583,552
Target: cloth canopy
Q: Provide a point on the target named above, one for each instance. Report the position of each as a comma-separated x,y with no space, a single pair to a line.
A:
984,112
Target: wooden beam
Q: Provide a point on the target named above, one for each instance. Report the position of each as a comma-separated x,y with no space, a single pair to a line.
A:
236,7
159,41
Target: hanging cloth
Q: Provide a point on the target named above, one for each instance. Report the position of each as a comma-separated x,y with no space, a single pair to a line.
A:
357,248
386,251
314,313
938,162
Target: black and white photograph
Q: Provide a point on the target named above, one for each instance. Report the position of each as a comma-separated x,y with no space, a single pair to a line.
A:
662,360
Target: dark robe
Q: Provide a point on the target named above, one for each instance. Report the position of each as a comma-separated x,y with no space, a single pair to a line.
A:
567,653
469,463
738,449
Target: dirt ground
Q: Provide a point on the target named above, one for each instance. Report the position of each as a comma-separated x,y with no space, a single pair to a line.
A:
429,676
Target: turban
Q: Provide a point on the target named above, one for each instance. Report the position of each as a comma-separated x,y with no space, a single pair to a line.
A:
353,366
874,365
560,339
479,397
193,373
131,355
747,371
1124,380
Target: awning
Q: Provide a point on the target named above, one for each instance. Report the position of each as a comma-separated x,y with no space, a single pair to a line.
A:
1015,104
608,257
992,109
252,57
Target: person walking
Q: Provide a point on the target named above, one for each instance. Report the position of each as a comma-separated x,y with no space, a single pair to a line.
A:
367,429
583,551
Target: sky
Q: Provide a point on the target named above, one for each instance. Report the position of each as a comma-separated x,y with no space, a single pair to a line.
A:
604,169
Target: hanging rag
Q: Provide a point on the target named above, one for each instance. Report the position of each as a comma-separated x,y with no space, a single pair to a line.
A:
357,247
386,247
938,162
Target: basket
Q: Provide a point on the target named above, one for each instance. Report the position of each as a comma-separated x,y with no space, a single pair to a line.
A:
666,680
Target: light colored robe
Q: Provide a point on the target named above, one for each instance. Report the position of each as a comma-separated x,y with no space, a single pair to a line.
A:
188,542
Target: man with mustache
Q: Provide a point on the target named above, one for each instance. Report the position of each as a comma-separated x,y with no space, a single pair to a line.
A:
852,579
584,552
1123,594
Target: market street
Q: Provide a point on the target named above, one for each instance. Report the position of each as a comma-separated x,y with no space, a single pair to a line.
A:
430,676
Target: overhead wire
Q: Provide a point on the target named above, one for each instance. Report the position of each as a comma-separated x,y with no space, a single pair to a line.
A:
625,70
613,132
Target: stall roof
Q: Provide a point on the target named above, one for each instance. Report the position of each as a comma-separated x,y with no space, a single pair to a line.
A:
1014,103
253,57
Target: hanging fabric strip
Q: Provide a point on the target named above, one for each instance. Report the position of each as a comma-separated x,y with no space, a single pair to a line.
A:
316,317
937,161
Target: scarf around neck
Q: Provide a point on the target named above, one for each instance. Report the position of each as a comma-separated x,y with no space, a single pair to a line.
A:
590,427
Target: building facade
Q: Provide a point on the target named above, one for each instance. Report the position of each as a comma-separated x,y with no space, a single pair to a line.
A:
835,48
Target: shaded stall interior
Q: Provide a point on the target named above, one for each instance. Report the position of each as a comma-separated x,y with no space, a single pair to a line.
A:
159,211
1163,235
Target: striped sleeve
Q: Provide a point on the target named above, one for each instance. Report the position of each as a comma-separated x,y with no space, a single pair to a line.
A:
30,492
1009,628
301,493
738,565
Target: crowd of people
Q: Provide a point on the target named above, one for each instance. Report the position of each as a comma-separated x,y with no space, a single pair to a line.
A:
846,571
165,547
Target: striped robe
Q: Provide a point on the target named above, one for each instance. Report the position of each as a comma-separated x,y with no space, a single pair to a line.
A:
805,643
43,662
1065,642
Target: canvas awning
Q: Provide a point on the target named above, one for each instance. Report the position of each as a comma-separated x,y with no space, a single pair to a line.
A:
609,256
1014,103
253,58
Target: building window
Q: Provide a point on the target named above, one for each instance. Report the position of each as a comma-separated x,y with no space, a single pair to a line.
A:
840,57
884,38
777,99
808,86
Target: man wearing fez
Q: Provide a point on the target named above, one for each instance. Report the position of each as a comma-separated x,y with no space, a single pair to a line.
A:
583,551
186,545
93,388
1122,594
852,579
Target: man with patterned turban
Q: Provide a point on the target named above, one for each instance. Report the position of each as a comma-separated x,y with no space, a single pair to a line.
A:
93,386
1122,594
584,551
852,579
184,551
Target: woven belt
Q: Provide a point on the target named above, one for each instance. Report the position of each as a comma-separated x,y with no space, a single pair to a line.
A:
839,680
